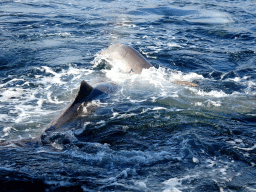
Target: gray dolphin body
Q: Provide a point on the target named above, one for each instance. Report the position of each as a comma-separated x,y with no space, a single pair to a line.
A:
126,58
85,95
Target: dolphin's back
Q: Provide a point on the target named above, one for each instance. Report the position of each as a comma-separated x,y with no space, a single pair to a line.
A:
127,59
85,94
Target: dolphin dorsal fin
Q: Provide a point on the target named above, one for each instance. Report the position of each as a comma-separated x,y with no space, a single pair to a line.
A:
84,91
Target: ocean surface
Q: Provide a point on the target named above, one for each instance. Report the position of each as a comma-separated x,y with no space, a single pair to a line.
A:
151,134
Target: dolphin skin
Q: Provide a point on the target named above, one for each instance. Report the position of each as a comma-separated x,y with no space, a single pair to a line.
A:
85,94
126,58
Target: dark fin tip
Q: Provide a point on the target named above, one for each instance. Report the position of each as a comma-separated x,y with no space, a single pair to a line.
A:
85,90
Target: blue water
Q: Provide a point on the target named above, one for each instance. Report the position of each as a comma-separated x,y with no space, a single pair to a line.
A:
152,134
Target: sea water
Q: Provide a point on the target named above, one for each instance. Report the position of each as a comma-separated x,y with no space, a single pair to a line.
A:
151,134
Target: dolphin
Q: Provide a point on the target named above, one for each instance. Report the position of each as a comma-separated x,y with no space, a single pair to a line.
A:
128,60
85,95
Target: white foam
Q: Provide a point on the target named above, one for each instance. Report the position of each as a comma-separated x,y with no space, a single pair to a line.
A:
250,86
211,162
11,81
159,108
250,189
214,103
246,149
3,117
102,122
7,131
56,78
65,34
195,160
172,184
141,184
212,93
223,171
29,103
238,140
11,93
125,115
172,44
199,104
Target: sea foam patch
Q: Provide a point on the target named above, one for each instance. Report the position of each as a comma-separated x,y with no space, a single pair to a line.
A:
36,101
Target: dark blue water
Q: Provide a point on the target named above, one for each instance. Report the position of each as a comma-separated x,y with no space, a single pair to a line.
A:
152,134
